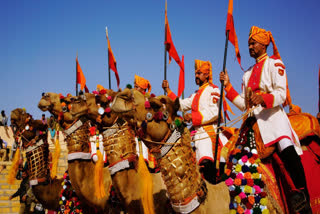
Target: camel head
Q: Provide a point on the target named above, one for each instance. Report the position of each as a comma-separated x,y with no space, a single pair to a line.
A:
50,102
72,109
28,128
99,107
153,118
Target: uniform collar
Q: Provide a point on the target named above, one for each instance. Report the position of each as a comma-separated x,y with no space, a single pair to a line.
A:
262,57
204,85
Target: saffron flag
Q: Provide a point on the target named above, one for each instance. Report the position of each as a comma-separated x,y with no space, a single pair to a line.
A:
232,32
181,78
80,77
173,53
112,61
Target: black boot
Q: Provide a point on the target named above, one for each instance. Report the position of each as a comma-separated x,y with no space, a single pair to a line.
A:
208,170
300,200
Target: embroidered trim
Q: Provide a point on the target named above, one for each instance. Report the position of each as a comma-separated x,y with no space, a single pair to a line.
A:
175,136
30,148
187,208
280,65
73,128
119,166
79,155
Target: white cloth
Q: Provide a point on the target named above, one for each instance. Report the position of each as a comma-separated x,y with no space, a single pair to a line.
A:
144,149
273,123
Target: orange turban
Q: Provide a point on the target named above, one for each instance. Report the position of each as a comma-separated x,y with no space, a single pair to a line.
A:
100,87
142,82
204,67
263,37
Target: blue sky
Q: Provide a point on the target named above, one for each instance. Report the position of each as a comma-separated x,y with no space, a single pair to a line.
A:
39,41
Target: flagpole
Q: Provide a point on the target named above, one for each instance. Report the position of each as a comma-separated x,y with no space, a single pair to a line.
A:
165,47
108,59
77,76
220,108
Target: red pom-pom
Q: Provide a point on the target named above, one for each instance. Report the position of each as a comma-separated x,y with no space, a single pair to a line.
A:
92,131
109,98
147,104
103,91
107,110
152,95
95,92
61,96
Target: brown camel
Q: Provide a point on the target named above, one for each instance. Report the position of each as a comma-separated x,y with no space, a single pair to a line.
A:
45,189
166,136
120,146
80,166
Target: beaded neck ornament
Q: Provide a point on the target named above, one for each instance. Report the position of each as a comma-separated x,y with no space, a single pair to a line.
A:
243,175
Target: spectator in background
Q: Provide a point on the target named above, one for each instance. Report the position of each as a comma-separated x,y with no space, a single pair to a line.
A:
52,126
44,119
3,119
22,192
3,149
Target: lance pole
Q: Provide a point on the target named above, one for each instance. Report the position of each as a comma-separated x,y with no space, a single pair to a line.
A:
220,108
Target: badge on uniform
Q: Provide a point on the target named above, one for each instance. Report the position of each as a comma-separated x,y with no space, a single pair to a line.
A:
281,71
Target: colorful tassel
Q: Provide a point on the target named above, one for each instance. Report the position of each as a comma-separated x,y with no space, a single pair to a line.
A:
14,167
98,177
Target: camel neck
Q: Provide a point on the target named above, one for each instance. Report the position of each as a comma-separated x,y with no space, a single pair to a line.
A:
181,173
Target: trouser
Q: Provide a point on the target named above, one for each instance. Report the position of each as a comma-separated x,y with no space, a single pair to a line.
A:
293,165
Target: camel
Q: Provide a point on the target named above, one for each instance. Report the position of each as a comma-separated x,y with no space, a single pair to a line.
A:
45,189
80,166
187,191
165,134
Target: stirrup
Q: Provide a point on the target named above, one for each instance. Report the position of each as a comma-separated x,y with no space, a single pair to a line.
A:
297,201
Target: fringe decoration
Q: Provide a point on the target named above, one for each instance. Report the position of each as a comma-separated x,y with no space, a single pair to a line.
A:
146,184
98,177
14,167
55,158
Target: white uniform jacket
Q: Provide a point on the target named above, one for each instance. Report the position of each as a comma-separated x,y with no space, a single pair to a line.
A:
268,78
204,109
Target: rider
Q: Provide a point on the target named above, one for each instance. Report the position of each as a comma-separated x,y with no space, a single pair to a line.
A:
267,81
204,113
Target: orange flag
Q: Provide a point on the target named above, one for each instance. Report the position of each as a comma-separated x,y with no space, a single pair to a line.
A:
181,78
232,32
173,53
80,77
226,106
112,61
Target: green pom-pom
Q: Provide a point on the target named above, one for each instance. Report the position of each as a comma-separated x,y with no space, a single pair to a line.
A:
177,122
129,86
224,177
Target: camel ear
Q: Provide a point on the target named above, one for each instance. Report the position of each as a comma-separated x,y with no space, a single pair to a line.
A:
176,105
155,103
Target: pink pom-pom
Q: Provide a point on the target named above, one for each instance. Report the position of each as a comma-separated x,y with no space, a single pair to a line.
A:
242,195
109,98
240,175
193,133
107,110
158,116
244,159
257,188
229,182
147,104
247,212
95,92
